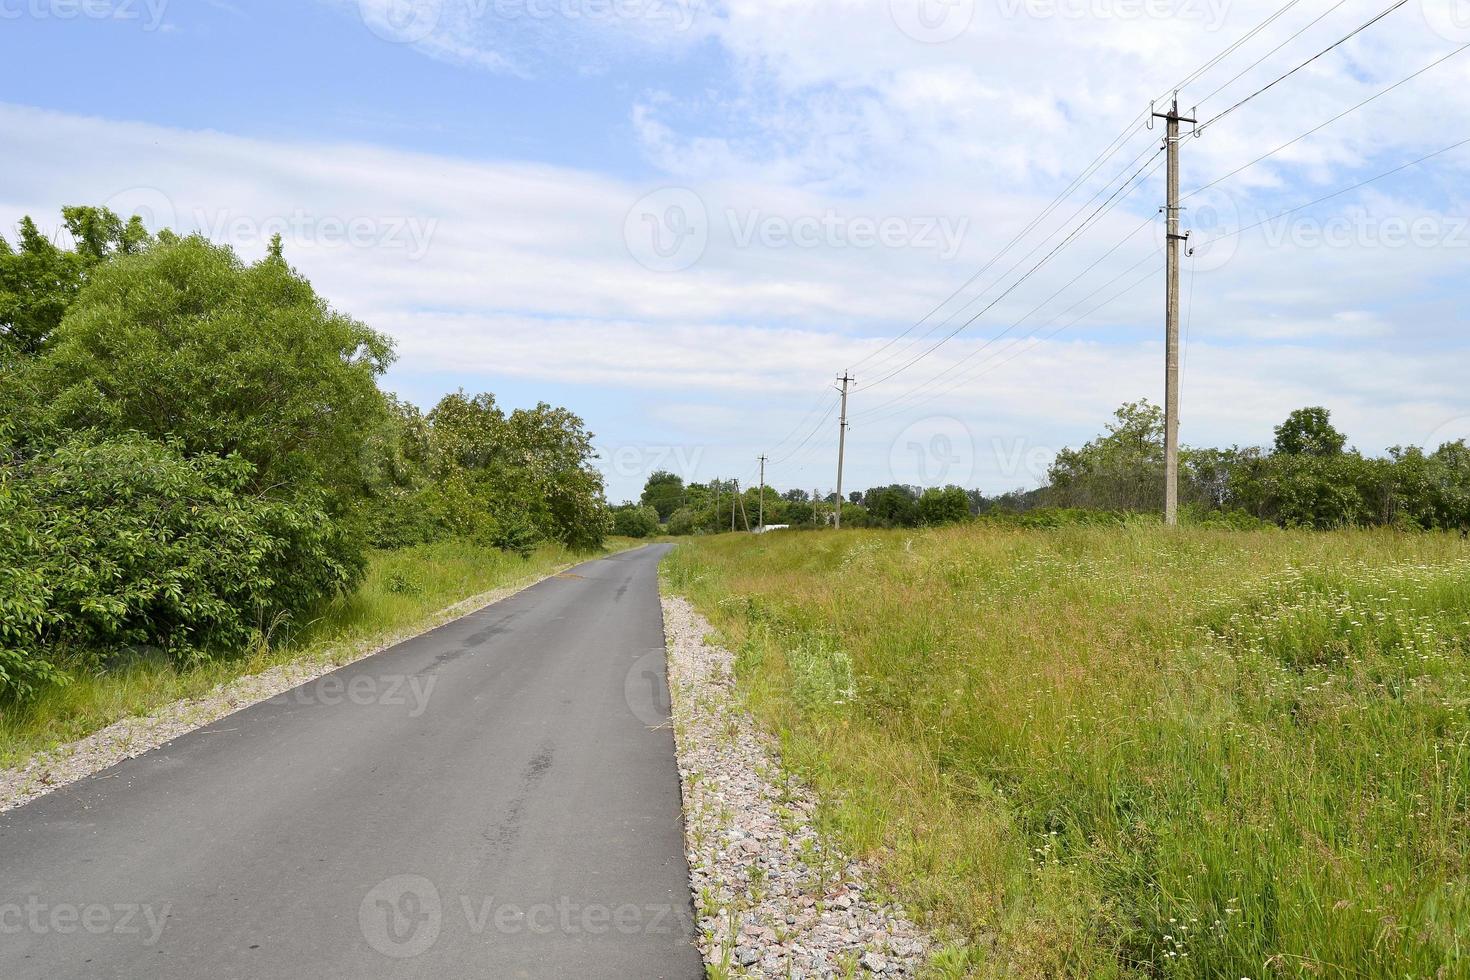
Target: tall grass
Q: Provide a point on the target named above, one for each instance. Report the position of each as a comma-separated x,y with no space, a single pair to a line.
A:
1129,752
403,592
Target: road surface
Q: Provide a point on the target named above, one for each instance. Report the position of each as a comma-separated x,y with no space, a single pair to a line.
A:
496,798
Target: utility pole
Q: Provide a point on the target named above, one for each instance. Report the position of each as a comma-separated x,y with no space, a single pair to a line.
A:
816,514
760,520
841,447
1171,312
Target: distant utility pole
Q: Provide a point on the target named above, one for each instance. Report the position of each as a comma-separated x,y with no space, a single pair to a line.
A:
760,520
816,514
1171,313
841,446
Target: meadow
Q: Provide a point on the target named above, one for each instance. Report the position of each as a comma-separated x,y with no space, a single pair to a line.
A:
405,591
1127,752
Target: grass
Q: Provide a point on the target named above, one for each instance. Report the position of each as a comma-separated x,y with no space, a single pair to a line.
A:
404,592
1127,752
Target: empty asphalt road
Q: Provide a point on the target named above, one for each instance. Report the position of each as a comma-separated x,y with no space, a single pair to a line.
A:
497,798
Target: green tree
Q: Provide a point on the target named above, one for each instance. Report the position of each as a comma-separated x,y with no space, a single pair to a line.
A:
635,521
1309,432
39,279
184,342
664,492
950,505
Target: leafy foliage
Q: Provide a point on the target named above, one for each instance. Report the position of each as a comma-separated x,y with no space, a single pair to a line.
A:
125,542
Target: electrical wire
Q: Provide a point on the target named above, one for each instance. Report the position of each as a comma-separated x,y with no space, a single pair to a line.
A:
1339,193
1314,22
1321,126
1127,188
1281,78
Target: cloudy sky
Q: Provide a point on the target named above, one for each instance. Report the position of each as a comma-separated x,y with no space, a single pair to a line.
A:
684,218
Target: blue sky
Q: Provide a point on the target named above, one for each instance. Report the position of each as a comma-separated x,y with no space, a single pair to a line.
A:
682,218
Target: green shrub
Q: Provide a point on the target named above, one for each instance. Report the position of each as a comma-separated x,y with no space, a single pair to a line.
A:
115,544
635,522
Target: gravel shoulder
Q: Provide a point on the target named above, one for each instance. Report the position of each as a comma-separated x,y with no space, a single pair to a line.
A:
52,769
773,898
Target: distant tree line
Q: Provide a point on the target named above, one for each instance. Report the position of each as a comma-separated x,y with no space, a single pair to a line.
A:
194,451
1308,477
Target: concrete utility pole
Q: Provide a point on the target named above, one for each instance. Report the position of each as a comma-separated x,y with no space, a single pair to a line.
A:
841,447
1171,313
760,520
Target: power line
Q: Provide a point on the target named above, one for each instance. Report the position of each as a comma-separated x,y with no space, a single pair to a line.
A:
1281,78
1314,22
1339,193
1016,350
1107,154
1192,76
1091,219
1318,128
1100,259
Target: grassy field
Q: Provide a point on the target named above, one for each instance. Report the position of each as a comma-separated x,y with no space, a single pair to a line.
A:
403,592
1128,752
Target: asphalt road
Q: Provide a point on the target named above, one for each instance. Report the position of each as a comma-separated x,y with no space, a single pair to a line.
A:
497,798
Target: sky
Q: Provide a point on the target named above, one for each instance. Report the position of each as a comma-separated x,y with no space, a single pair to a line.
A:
683,219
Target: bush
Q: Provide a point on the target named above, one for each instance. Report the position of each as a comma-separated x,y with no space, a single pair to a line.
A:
114,544
635,522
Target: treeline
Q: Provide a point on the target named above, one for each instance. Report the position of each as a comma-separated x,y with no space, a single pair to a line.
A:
1308,477
195,452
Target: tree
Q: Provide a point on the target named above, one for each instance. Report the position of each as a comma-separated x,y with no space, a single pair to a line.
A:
1309,432
1123,469
39,279
948,506
664,492
635,521
184,342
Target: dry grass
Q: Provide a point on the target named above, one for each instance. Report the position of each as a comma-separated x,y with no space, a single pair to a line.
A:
1129,752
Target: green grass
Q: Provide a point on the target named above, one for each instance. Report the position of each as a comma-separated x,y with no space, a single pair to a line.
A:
1126,752
404,592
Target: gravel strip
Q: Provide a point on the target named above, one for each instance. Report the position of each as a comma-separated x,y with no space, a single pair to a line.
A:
50,770
774,900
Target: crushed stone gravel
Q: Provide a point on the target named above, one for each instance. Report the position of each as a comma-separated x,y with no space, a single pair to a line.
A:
773,898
